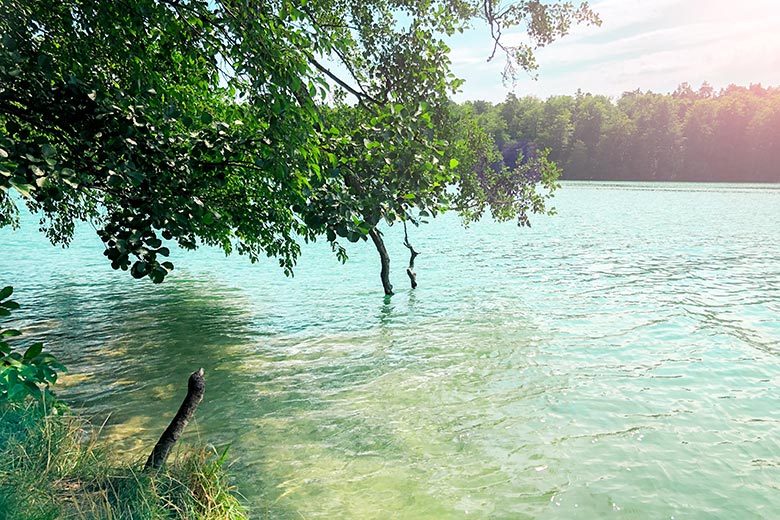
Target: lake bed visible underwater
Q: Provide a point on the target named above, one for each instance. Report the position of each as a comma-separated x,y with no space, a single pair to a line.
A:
620,359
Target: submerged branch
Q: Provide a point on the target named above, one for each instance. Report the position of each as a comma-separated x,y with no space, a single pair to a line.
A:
195,390
412,255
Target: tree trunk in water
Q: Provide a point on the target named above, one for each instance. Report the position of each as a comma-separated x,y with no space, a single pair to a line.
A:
376,236
412,277
195,389
412,255
354,183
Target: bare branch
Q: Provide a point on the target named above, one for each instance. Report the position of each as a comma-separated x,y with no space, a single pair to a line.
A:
412,255
359,95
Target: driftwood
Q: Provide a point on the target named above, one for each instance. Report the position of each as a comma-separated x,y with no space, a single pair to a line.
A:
195,389
412,255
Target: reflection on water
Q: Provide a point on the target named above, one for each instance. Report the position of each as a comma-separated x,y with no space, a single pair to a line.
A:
618,359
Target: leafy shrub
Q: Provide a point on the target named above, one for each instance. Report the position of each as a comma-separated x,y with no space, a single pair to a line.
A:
27,374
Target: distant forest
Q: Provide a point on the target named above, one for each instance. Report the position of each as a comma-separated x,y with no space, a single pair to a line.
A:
690,135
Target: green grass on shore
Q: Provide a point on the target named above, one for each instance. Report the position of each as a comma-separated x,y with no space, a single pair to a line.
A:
53,466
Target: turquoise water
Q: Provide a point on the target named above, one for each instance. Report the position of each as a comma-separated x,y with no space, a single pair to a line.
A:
618,360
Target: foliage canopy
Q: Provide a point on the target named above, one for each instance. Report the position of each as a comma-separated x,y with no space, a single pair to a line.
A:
224,122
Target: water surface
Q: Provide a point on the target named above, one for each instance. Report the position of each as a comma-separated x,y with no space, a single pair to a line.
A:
619,359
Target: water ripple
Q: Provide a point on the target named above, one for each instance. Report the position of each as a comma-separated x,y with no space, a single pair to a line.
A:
619,359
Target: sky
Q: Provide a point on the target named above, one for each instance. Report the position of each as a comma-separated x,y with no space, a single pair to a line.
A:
646,44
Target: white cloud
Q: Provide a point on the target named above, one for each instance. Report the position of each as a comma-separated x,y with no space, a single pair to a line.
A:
649,45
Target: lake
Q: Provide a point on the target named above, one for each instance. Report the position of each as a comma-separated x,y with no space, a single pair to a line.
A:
620,359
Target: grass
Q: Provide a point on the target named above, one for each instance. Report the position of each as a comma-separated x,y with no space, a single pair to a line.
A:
53,466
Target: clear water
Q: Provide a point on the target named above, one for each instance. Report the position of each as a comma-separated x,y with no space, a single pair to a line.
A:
620,359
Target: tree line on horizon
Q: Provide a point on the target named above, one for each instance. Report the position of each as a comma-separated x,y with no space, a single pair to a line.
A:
704,135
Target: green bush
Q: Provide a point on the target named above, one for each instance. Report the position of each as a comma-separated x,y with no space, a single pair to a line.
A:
27,374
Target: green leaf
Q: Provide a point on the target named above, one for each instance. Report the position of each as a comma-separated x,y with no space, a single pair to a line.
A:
158,274
33,351
223,457
139,269
48,151
49,375
44,62
6,292
31,388
23,189
14,359
364,228
8,42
